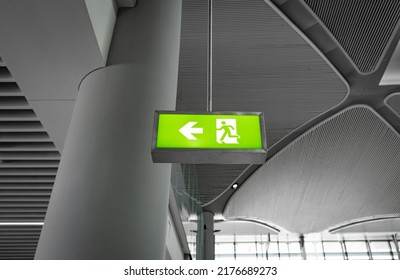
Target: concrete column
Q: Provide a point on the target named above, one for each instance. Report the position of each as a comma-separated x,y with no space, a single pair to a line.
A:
109,200
209,238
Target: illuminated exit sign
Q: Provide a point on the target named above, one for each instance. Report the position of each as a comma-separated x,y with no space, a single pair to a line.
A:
209,137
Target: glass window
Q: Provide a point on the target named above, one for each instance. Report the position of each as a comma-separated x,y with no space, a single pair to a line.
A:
317,247
261,249
273,252
395,250
245,238
398,243
284,250
224,248
378,236
293,238
294,250
273,237
192,248
246,251
333,250
294,247
246,257
314,250
224,238
310,251
380,250
357,250
224,257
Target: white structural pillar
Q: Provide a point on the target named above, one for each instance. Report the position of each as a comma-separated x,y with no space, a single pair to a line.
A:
109,200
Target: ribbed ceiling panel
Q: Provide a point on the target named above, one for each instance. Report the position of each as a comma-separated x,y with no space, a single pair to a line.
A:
345,168
204,182
192,79
261,63
18,242
363,28
28,166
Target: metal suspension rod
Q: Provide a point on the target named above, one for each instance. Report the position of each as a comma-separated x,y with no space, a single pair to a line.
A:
209,57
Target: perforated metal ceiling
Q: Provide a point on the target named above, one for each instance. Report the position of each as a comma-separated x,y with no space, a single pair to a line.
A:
260,63
363,28
345,168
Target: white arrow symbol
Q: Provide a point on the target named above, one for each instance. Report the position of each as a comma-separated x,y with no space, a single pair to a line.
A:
188,130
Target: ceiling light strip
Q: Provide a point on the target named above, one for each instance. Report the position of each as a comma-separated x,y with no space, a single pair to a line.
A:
22,224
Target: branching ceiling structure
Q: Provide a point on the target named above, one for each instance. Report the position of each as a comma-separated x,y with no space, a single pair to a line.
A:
314,68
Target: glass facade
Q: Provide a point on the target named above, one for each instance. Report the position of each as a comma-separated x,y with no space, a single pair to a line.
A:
370,246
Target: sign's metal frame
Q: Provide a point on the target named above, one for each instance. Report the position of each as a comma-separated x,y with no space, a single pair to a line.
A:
208,155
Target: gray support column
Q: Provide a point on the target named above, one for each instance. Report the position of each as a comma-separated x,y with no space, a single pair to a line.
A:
209,238
109,200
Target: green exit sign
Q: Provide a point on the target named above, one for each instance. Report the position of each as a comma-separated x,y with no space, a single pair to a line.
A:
209,137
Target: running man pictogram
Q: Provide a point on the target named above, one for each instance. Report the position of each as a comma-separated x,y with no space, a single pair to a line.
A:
226,131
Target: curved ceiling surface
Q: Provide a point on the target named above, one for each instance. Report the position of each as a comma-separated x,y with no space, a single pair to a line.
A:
363,28
345,168
260,63
203,182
